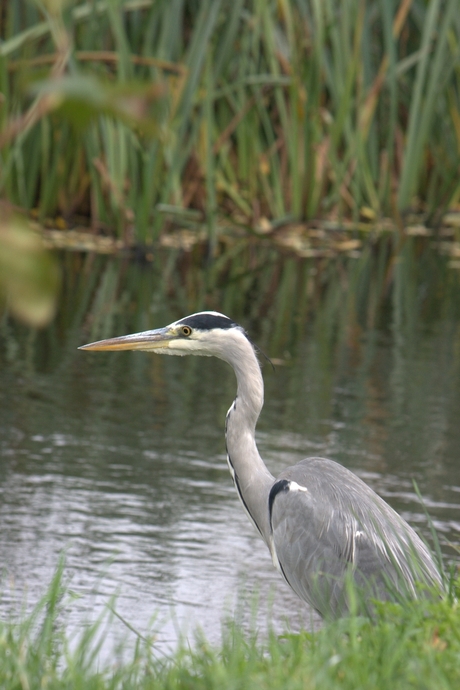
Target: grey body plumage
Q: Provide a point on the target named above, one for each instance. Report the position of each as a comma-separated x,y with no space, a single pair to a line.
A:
322,524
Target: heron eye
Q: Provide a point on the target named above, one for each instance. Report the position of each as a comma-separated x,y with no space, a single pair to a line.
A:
186,330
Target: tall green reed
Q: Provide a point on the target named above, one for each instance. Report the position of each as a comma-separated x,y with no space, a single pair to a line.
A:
268,109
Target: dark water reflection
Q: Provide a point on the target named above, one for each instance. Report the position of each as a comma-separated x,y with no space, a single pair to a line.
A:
119,459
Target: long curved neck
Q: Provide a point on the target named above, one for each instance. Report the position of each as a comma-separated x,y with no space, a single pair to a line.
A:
250,475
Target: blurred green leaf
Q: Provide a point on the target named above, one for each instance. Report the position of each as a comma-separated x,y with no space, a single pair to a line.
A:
29,275
82,98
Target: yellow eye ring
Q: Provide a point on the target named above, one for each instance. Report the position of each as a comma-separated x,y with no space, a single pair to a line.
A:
186,330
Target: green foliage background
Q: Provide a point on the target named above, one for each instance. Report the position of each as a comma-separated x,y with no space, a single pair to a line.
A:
123,112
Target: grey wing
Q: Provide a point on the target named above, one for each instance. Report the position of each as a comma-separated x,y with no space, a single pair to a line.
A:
327,525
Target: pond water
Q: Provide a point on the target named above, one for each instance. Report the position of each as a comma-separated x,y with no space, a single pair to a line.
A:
118,460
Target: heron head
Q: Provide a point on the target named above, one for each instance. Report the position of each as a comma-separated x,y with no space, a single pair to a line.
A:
206,333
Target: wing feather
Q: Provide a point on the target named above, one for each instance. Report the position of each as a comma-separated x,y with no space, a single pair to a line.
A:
331,525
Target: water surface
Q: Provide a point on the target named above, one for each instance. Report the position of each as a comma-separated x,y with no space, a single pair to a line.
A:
118,459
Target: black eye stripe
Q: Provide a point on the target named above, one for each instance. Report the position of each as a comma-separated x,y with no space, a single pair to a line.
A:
206,322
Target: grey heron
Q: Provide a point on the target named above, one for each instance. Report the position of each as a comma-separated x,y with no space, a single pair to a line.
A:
324,527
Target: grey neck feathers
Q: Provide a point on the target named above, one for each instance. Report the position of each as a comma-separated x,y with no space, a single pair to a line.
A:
252,478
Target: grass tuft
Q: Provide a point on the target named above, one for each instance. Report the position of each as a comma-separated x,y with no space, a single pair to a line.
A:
410,645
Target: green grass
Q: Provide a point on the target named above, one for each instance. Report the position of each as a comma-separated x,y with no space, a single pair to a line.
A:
412,645
131,111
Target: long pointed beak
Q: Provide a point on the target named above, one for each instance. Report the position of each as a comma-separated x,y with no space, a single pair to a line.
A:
147,341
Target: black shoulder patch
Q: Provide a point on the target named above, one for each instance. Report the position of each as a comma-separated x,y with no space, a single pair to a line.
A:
280,485
206,321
